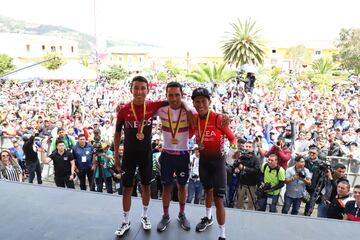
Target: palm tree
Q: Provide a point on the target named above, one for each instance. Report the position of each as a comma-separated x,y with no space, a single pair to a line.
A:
244,45
214,73
322,66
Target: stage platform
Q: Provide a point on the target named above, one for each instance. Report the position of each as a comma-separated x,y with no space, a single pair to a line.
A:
39,212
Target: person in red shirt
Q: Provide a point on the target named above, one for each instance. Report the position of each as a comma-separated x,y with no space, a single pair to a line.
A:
136,118
210,136
280,150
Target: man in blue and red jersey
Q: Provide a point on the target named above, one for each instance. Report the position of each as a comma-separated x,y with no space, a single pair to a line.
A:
175,157
136,118
210,136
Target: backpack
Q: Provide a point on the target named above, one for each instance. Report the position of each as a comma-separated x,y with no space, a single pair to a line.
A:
267,166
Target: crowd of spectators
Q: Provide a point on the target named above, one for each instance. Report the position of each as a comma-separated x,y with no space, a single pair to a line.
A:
290,123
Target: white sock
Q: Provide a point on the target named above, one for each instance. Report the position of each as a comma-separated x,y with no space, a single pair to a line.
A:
144,211
222,231
126,217
208,213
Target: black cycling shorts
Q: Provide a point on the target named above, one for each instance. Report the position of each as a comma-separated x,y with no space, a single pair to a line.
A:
178,164
133,159
213,174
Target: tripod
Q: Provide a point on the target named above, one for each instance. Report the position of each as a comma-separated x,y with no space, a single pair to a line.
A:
251,198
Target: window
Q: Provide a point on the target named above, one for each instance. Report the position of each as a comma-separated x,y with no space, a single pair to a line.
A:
60,48
140,59
130,59
28,47
72,49
273,51
43,47
318,53
120,58
53,49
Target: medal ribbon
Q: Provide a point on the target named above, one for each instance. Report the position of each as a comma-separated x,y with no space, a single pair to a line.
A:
141,128
176,130
202,135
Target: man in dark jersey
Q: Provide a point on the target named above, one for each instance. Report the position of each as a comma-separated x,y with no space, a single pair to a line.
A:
210,137
136,118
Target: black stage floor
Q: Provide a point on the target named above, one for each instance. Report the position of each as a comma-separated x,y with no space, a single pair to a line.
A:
39,212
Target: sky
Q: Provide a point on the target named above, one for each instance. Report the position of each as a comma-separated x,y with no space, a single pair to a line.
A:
191,24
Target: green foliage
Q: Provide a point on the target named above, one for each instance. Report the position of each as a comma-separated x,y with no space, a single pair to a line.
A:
348,45
161,76
115,73
55,62
244,44
322,66
275,72
214,73
322,82
85,61
6,64
172,69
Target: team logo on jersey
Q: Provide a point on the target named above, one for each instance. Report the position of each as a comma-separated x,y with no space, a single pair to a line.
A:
136,124
182,174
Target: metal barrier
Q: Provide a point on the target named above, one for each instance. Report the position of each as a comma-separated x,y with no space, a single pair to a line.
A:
352,168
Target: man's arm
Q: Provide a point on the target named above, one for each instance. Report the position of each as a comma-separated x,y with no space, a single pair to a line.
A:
72,176
117,138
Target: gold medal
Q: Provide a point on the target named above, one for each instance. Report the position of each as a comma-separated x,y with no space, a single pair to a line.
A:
140,136
175,131
201,135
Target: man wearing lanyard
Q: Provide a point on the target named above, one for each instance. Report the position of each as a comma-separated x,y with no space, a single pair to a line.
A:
64,166
136,117
83,154
210,138
175,156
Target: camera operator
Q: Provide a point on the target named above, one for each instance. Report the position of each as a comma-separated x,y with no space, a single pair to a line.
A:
195,187
273,179
282,152
328,190
102,163
336,209
247,167
297,177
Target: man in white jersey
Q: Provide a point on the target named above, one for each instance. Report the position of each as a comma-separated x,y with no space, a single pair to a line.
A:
175,156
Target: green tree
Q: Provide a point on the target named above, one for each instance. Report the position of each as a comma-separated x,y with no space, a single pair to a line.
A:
348,45
6,64
55,61
115,73
172,69
85,60
322,66
161,76
244,44
214,73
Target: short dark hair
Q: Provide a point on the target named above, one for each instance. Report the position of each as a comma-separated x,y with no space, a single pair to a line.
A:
174,85
339,165
139,79
298,158
81,135
357,186
59,140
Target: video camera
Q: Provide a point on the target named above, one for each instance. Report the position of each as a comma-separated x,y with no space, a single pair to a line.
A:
324,166
261,190
98,148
